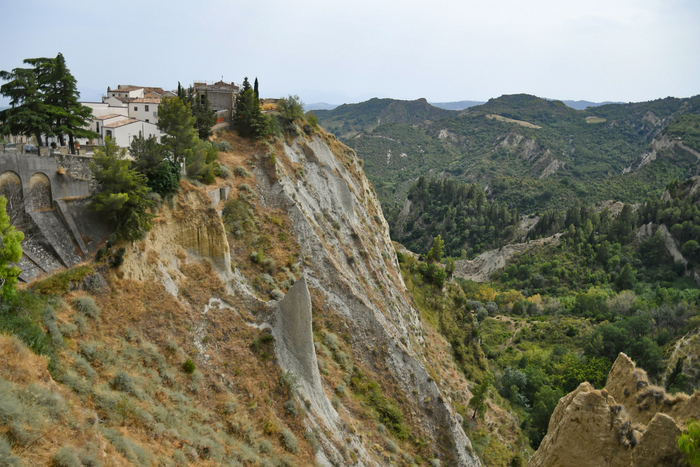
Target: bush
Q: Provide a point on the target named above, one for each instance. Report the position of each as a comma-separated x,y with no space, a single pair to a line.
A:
87,306
123,382
313,441
277,294
269,265
291,407
222,171
188,366
66,457
223,146
290,441
241,171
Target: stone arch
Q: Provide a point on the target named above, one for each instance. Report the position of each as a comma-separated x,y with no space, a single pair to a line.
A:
11,188
11,185
40,191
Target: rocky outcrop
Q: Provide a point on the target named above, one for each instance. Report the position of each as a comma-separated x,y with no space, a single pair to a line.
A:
630,423
192,231
480,268
349,257
657,145
544,163
648,230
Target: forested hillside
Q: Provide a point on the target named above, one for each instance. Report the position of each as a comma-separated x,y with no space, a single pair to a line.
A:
527,152
619,280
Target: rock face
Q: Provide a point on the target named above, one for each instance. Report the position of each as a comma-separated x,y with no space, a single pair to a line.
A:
337,220
349,267
480,268
629,423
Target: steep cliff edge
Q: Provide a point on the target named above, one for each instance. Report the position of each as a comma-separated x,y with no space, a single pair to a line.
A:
345,272
628,423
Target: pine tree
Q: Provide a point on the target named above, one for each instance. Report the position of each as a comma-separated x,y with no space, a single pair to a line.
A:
44,101
248,120
478,400
28,113
122,196
205,116
176,119
59,88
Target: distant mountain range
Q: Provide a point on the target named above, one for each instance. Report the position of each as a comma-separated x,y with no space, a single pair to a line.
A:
583,105
461,105
526,151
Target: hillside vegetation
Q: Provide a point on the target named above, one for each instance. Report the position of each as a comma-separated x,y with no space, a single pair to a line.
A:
538,154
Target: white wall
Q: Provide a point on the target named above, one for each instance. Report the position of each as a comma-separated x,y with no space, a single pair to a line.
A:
138,111
124,134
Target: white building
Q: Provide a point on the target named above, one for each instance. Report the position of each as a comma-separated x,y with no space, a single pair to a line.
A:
124,113
124,130
144,108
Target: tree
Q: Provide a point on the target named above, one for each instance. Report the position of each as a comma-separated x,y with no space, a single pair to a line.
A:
175,118
154,161
28,114
44,101
122,197
689,443
10,252
478,400
205,116
201,165
291,108
437,250
59,88
248,120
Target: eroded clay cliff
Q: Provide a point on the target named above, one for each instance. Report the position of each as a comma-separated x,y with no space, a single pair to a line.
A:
628,423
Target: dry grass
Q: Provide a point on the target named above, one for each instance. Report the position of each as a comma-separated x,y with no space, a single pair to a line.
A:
510,120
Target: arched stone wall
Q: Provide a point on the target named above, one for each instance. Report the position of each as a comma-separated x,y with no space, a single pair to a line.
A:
40,192
11,188
11,185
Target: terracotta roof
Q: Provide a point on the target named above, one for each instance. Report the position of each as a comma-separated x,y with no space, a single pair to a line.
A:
129,88
127,121
107,117
147,100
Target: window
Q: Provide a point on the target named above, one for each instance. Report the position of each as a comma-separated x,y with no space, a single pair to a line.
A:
147,120
146,109
136,109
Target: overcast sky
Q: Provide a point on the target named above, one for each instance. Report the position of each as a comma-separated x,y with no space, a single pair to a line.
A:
336,52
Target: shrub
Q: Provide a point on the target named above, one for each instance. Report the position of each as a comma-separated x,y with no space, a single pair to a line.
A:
290,441
6,457
66,457
188,366
269,265
123,382
222,171
291,407
313,441
87,306
179,458
241,171
277,294
68,329
391,445
223,146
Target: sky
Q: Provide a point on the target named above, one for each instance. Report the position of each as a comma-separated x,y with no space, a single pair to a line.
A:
342,52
